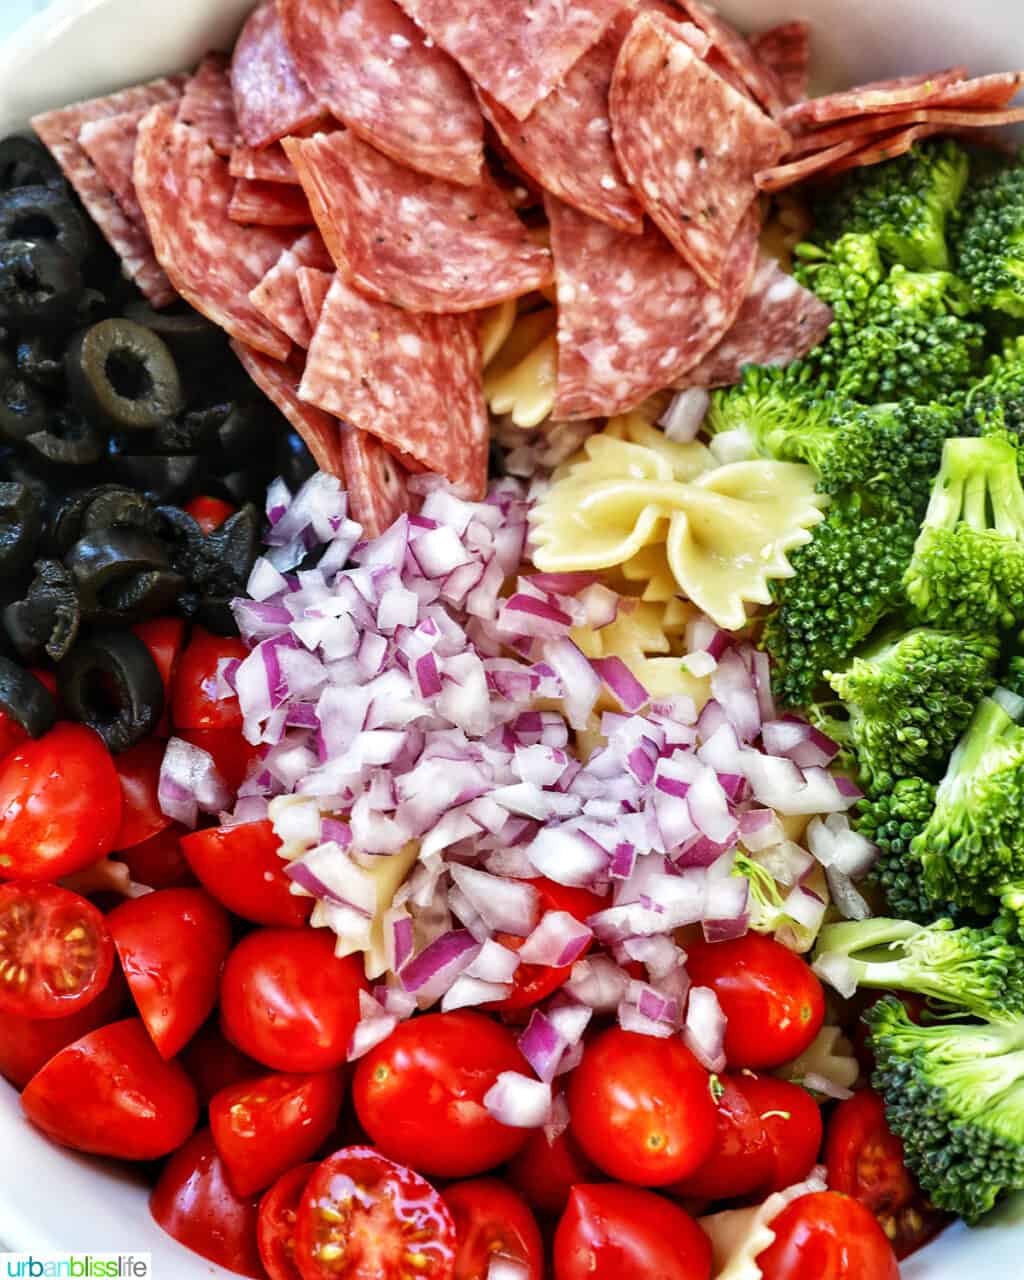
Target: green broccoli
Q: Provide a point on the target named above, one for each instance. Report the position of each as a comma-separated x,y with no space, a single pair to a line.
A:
987,238
892,820
994,405
954,1093
767,902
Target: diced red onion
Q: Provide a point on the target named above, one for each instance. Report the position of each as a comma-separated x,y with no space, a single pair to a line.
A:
558,1118
494,963
433,971
374,1026
699,664
189,783
849,902
620,681
805,907
686,411
818,1083
704,1031
466,992
559,939
517,1101
703,635
567,856
733,689
580,682
760,829
631,1019
598,983
838,972
542,1045
508,906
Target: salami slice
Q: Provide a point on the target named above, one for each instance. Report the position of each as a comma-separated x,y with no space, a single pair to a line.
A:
632,316
899,94
269,165
984,91
413,381
207,104
269,204
786,50
864,129
419,243
688,143
278,297
756,74
314,285
377,483
184,189
780,176
778,322
934,121
271,98
110,145
374,70
518,53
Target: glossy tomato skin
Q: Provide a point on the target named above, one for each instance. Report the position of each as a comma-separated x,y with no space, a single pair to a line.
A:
827,1236
642,1108
139,771
773,1002
159,862
111,1094
545,1172
194,701
490,1218
194,1202
213,1062
611,1232
231,753
275,1230
60,804
288,1001
263,1127
740,1160
208,512
241,868
419,1094
165,639
172,945
792,1125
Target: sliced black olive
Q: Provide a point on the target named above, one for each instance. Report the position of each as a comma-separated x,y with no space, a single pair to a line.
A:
21,525
215,614
123,376
92,307
162,478
39,284
122,573
193,432
294,461
104,506
184,540
26,699
23,407
43,214
111,683
24,162
232,548
37,364
69,439
49,616
192,338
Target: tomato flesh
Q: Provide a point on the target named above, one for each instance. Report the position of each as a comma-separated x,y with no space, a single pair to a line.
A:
209,513
139,771
241,868
275,1230
827,1236
194,701
164,638
159,862
740,1161
545,1172
490,1218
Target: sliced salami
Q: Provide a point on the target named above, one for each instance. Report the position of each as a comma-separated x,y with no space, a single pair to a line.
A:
632,316
778,322
271,98
864,129
184,189
420,243
278,296
518,53
269,204
757,75
984,91
688,143
786,50
413,381
110,145
900,94
207,104
377,483
780,176
376,72
269,165
314,285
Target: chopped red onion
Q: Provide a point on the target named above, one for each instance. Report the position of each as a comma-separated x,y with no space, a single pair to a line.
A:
598,983
620,681
559,939
848,900
189,783
631,1019
494,963
699,664
704,1031
686,411
466,992
732,688
580,683
805,907
517,1101
760,829
374,1026
818,1083
433,971
542,1045
567,855
704,636
508,906
838,972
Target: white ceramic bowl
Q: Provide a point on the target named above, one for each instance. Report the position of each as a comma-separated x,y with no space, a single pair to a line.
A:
51,1200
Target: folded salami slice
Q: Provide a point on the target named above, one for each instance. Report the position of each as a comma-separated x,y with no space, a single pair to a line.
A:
632,316
207,104
780,176
271,98
278,296
899,94
865,128
778,322
184,189
413,381
269,204
517,52
269,165
417,242
786,50
374,70
314,285
688,142
756,74
110,145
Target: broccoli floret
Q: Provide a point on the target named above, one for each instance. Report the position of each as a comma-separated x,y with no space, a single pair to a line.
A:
954,1093
994,405
987,238
892,820
903,204
1012,676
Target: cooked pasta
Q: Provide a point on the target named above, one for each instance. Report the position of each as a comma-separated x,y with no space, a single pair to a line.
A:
520,373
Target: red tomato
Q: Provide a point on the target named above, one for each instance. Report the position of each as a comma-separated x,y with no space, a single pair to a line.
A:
11,733
241,868
611,1232
419,1094
159,862
740,1161
263,1127
231,753
209,513
545,1172
826,1236
642,1108
60,804
172,945
792,1126
164,638
112,1094
55,951
141,815
288,1001
213,1063
194,1202
194,701
490,1218
774,1003
275,1230
363,1217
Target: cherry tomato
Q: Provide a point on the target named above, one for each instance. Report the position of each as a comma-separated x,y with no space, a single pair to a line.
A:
164,638
642,1108
194,701
611,1232
194,1202
264,1126
275,1230
213,1063
490,1218
773,1002
288,1001
55,951
159,862
532,982
11,734
827,1236
545,1172
792,1127
111,1094
231,753
209,513
241,868
172,945
420,1093
141,815
60,804
364,1217
740,1161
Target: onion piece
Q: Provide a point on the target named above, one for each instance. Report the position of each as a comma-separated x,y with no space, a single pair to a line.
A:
558,940
517,1101
685,414
507,906
704,1031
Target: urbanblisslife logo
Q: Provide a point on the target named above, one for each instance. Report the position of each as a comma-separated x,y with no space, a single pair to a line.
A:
77,1266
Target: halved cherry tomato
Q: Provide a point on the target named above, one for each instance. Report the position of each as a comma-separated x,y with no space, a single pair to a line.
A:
241,868
642,1108
141,815
288,1001
159,862
165,639
213,1062
364,1217
172,945
545,1172
264,1126
194,701
773,1002
209,513
792,1126
60,804
827,1236
611,1232
490,1218
195,1203
111,1094
420,1093
275,1230
11,734
740,1161
231,753
55,951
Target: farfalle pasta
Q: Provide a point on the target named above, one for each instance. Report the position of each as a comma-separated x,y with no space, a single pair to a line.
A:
520,374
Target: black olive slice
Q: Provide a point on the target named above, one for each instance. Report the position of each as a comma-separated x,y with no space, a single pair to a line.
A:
40,284
48,215
191,337
37,363
68,439
48,618
26,699
23,407
193,432
24,162
104,561
111,683
21,524
162,478
123,376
